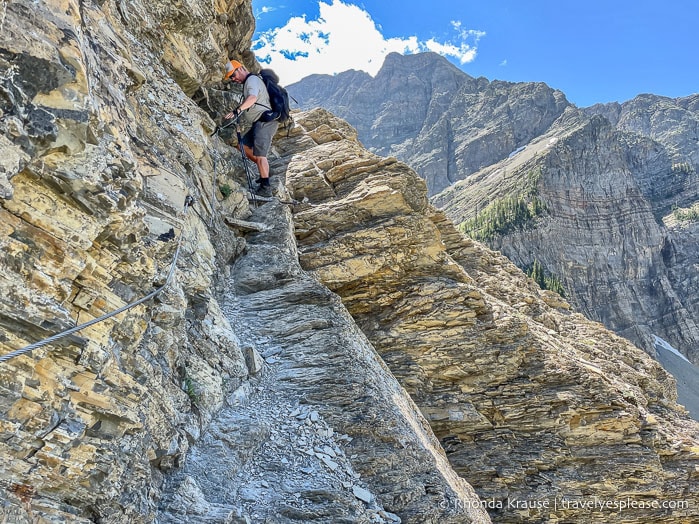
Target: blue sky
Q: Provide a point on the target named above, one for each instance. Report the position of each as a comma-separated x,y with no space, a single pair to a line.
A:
593,51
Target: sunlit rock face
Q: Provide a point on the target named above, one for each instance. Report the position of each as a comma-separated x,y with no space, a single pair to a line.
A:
619,183
521,391
128,419
100,145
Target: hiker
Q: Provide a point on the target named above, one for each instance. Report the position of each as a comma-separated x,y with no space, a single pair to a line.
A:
258,140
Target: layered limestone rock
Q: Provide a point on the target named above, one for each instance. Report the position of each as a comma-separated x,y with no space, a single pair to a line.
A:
127,419
100,147
604,228
521,391
671,188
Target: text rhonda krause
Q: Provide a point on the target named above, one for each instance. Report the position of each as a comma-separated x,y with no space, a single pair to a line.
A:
583,504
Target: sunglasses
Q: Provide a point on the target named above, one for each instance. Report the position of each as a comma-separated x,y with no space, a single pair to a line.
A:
233,73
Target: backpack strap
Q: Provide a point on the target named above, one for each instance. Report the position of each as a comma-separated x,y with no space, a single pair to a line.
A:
263,83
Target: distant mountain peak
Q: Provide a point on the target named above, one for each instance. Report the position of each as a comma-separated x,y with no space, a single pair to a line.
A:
420,63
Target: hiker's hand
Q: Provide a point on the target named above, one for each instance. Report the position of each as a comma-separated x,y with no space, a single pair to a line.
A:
233,114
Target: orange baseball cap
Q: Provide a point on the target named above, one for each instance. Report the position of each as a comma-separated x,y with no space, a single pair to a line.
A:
230,67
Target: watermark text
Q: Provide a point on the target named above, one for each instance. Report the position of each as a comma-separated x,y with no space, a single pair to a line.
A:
584,504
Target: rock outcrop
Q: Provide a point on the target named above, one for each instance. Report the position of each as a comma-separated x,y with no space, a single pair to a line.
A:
100,147
521,391
326,434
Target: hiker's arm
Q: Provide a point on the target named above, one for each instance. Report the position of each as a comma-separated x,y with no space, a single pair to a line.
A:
248,102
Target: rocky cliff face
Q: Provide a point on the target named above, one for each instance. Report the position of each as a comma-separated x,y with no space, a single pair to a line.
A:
245,391
100,146
673,126
520,390
606,227
613,180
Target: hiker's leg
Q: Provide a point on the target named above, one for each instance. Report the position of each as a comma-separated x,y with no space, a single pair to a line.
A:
260,161
264,131
262,166
248,141
249,153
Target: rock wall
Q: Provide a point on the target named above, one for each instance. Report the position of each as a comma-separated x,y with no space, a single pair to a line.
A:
125,421
607,229
100,147
521,391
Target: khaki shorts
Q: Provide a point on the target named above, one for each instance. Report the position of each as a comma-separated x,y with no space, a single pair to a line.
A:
259,138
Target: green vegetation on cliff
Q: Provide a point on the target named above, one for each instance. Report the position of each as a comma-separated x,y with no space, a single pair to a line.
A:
686,214
546,280
514,211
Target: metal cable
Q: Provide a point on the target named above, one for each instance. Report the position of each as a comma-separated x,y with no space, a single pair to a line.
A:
213,190
31,347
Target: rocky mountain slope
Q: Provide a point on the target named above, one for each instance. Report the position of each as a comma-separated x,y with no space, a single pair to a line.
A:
612,189
338,354
604,227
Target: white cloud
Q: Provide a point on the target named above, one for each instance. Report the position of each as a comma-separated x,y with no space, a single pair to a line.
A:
344,37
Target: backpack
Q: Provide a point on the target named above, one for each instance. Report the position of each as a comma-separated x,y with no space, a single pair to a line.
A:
278,98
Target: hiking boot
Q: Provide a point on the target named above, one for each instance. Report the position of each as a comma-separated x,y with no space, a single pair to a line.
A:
264,191
259,179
